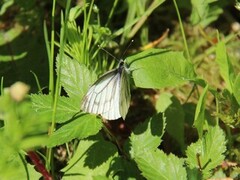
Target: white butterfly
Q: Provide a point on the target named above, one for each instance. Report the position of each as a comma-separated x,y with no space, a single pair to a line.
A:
110,95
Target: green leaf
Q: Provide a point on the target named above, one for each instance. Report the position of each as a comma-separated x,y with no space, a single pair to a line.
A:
200,10
92,159
158,68
199,118
163,102
66,107
147,136
23,127
174,116
210,149
12,166
75,77
83,126
226,69
204,12
125,169
236,88
157,165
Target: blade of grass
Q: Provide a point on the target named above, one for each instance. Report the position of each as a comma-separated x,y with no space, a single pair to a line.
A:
37,82
111,12
182,31
1,88
51,68
45,31
143,18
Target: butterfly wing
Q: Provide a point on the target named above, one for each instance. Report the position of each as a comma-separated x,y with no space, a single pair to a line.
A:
125,95
104,95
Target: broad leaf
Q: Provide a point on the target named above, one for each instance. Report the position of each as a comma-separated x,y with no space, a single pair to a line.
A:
83,126
174,117
158,68
157,165
210,149
147,136
75,77
92,159
66,107
199,118
153,163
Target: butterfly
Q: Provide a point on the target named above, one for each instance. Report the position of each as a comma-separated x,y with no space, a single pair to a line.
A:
110,95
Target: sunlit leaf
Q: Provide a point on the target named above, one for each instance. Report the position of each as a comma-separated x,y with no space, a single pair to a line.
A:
158,68
157,165
210,149
66,107
84,125
199,118
75,77
147,136
226,68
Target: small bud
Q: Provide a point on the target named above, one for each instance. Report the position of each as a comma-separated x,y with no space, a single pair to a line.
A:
18,91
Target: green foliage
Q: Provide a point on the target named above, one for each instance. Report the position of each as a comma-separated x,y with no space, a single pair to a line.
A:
23,129
210,149
93,157
78,145
226,69
158,68
174,114
154,163
199,118
205,12
78,81
80,127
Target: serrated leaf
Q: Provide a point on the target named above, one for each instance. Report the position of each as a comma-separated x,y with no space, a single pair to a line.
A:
75,77
236,89
158,68
83,126
174,116
66,107
226,68
147,136
157,165
92,159
199,118
210,149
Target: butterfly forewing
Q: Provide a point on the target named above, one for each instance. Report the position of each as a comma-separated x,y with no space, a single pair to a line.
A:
103,97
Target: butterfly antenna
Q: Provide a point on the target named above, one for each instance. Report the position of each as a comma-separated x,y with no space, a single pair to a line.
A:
127,48
108,53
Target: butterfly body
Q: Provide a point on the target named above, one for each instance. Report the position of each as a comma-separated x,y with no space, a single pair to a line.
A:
110,95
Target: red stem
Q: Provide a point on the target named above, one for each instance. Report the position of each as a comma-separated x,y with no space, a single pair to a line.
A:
39,165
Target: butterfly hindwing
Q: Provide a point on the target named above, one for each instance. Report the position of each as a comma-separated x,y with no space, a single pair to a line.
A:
125,95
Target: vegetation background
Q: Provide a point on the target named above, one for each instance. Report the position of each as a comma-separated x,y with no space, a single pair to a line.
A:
184,118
